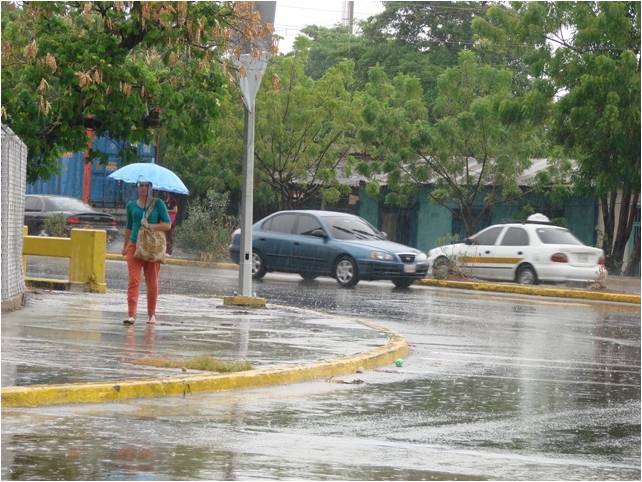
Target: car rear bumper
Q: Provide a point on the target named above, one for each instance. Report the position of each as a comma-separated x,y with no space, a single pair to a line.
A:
561,274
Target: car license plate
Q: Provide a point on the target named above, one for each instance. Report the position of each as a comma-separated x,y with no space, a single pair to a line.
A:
409,268
582,258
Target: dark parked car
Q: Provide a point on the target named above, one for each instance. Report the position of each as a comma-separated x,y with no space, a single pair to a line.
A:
77,214
326,243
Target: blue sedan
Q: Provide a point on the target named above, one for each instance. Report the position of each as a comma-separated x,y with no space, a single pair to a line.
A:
326,243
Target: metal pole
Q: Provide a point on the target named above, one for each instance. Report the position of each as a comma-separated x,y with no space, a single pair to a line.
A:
247,201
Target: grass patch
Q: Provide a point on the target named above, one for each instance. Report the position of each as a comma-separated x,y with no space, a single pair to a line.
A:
201,362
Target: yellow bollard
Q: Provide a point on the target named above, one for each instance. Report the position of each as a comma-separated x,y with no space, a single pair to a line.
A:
87,264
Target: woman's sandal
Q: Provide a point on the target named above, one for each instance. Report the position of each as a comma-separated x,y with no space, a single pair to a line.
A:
129,321
152,320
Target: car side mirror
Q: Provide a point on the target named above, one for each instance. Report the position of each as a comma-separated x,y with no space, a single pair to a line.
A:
469,241
319,233
384,235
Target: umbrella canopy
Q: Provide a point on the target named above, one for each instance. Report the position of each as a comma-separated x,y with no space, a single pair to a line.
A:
161,178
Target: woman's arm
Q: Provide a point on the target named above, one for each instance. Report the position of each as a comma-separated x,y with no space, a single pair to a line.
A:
162,226
128,233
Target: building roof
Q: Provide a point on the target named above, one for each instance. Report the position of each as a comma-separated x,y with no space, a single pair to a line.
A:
525,178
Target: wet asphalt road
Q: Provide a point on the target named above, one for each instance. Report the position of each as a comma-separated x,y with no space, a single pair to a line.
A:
496,387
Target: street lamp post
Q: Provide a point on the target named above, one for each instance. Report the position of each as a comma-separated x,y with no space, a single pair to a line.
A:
251,66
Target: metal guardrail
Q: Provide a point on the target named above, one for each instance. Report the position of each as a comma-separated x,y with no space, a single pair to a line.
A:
85,250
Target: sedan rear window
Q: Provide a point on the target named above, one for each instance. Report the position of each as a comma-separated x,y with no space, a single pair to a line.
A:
66,204
515,237
350,227
556,236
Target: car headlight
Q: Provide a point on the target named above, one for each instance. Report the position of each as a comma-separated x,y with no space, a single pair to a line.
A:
381,256
421,257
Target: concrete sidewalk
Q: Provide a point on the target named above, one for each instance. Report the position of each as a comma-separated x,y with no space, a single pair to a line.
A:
61,338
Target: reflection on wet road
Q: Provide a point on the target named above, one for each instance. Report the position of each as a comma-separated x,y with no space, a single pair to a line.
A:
496,387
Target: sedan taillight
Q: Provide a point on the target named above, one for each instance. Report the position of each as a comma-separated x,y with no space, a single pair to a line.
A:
73,220
559,258
601,261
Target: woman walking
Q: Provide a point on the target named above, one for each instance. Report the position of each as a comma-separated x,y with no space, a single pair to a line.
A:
157,220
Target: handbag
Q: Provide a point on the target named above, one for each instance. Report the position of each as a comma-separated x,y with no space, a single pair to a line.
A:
150,245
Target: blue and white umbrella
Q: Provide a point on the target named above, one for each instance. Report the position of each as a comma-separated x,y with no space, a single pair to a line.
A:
162,179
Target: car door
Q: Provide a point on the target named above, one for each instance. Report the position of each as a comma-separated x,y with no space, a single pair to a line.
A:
479,258
274,239
510,252
34,216
311,251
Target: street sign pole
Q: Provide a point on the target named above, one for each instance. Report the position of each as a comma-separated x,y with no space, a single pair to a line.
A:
247,204
251,65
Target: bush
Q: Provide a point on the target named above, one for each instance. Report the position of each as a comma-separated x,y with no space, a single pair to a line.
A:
452,266
207,229
56,225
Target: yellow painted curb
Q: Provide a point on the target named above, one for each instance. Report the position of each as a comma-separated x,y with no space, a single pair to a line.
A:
244,301
181,262
37,395
533,290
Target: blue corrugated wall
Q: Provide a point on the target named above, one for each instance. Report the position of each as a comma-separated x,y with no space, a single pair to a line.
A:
104,192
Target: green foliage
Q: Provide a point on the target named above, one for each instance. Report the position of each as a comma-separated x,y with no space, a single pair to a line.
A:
56,225
587,54
479,139
111,66
418,39
207,229
303,131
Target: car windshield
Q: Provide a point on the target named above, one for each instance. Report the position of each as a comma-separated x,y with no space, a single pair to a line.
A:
66,204
351,227
556,236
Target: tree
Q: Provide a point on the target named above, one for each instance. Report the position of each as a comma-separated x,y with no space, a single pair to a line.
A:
590,53
440,29
116,67
420,39
304,130
481,139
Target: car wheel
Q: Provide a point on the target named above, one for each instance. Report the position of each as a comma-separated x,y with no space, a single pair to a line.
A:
441,268
526,275
403,282
309,276
258,265
345,271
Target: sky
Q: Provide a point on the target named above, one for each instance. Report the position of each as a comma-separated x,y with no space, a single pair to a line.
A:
292,15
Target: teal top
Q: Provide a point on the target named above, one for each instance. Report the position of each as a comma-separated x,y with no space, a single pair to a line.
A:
135,215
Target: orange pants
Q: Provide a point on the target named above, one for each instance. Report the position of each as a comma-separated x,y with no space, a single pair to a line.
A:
151,270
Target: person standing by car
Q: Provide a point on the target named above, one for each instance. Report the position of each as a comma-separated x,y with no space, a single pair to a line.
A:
172,209
158,220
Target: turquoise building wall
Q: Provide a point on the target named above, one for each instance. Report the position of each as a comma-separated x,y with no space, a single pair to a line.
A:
434,222
368,208
581,214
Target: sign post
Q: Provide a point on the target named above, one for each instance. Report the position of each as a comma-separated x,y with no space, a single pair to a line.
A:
251,64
